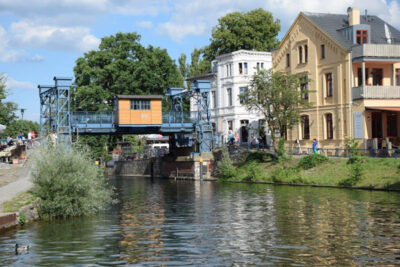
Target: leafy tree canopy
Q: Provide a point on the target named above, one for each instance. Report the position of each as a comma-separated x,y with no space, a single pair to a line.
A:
278,97
255,29
23,126
122,66
7,109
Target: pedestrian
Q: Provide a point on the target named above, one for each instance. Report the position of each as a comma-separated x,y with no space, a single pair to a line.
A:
237,137
315,146
231,139
254,142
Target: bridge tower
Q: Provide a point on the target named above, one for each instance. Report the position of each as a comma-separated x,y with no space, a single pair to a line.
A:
55,109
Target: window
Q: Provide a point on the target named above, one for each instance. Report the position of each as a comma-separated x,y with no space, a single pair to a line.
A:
240,68
377,76
227,70
229,92
362,36
328,84
258,66
288,60
230,69
359,75
262,65
305,127
230,125
398,77
140,104
329,126
305,53
392,124
304,88
322,51
214,99
300,54
243,91
245,68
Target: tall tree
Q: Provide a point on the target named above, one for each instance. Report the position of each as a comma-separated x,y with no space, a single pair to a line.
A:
278,97
255,29
7,109
184,68
122,66
199,63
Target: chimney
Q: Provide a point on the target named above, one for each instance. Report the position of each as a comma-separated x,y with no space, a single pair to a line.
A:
354,16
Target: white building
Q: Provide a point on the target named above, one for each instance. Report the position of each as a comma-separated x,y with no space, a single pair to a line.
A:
230,77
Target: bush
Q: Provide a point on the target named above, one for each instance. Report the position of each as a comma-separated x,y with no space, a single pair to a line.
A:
68,183
286,175
226,169
356,171
258,157
311,161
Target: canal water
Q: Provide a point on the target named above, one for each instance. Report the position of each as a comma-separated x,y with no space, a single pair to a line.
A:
167,222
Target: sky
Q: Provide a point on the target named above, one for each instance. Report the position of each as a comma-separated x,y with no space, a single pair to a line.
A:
40,39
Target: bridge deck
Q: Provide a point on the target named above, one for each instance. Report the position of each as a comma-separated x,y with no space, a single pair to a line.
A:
102,122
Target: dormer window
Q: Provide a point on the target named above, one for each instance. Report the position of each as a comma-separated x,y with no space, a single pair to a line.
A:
300,54
362,36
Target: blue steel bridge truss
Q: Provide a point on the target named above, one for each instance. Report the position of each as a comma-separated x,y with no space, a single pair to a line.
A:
184,127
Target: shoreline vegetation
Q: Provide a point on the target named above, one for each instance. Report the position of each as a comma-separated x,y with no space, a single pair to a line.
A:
314,170
68,182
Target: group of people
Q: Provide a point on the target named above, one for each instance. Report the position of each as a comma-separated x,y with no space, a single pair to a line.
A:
253,143
20,138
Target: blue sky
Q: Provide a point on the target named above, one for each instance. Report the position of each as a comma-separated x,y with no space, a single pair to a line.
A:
40,39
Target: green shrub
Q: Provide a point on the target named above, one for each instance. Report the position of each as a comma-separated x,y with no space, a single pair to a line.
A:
280,151
287,175
311,161
258,156
68,182
22,219
356,165
225,166
251,171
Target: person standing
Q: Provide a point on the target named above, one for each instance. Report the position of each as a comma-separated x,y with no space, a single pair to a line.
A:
315,146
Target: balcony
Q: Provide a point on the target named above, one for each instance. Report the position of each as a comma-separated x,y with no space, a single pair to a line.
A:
376,92
384,51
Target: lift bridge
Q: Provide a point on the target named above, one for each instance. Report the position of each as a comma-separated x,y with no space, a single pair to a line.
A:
132,114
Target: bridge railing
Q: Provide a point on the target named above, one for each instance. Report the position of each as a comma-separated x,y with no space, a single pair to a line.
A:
176,117
92,117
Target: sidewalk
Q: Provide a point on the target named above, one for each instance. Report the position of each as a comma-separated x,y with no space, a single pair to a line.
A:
21,184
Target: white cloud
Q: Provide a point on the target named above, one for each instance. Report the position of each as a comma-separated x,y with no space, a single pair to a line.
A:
145,24
13,85
197,17
28,34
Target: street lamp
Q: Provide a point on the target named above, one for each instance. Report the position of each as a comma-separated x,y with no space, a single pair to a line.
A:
22,113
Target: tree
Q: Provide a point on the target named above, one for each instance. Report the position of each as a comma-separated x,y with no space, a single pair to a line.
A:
199,63
122,66
277,97
184,69
7,109
23,126
255,29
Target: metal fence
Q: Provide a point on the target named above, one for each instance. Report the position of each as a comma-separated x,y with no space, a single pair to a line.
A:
92,117
342,152
176,117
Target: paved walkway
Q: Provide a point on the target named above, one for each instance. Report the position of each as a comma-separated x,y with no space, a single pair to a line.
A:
22,184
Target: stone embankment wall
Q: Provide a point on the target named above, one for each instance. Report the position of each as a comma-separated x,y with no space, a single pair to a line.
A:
28,213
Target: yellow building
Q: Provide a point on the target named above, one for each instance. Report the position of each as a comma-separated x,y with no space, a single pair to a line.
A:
353,63
138,110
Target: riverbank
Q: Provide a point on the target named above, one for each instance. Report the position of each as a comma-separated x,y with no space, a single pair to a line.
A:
377,173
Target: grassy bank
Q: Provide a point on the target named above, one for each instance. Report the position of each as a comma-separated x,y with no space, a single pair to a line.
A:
378,173
15,204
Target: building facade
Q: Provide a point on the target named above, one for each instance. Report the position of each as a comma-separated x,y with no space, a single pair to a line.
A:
353,66
230,77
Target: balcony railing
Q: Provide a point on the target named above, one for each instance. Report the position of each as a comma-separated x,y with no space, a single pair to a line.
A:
376,92
376,50
176,117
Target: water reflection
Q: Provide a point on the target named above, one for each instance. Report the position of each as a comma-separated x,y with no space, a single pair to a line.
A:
166,222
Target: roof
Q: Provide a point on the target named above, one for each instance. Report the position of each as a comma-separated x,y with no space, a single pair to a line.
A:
332,23
201,76
139,96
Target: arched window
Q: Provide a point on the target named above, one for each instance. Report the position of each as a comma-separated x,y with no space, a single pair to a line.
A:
329,126
300,55
305,127
305,53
